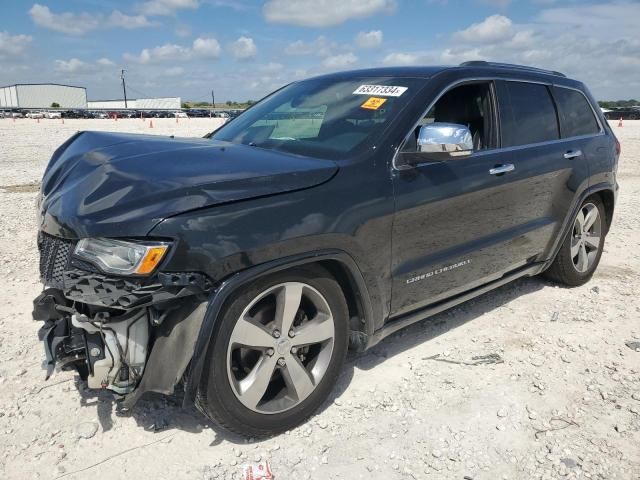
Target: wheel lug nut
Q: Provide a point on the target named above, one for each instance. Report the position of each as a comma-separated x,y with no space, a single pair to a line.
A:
270,352
294,350
281,362
276,334
292,333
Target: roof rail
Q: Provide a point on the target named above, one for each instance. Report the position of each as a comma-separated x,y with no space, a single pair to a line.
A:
482,63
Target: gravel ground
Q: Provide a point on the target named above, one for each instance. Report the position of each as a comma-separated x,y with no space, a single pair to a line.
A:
529,381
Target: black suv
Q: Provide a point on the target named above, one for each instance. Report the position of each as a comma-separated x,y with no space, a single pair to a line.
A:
337,210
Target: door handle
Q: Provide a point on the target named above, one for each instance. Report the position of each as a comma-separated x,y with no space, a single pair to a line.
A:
572,154
501,169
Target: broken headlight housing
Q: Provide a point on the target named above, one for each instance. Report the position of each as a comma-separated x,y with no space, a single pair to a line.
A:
122,257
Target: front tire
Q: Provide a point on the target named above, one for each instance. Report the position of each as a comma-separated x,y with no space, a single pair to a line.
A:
277,354
581,250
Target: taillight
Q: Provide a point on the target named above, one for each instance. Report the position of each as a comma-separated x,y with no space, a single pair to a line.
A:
618,147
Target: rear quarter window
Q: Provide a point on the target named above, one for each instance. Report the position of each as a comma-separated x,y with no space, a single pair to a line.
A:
576,115
527,114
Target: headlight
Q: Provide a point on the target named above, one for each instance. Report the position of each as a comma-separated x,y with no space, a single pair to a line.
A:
120,257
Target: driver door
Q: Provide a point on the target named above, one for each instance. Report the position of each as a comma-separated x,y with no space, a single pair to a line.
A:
446,232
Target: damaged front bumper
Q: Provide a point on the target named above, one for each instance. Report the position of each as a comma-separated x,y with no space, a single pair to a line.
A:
126,335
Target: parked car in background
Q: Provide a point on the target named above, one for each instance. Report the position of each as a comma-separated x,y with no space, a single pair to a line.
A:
333,213
35,115
180,115
53,114
198,113
79,113
629,113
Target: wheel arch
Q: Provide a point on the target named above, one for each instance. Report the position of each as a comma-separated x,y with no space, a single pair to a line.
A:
606,193
608,200
338,263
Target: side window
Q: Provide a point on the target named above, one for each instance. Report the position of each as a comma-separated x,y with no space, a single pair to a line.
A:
470,105
576,115
527,114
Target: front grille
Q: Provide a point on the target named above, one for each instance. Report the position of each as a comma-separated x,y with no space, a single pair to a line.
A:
54,257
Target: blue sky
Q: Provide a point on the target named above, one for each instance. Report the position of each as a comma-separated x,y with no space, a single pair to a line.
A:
244,49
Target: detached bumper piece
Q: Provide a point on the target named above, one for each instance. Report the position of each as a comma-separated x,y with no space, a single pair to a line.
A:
65,347
99,289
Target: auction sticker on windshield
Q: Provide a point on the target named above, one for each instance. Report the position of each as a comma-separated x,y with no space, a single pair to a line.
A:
381,90
373,103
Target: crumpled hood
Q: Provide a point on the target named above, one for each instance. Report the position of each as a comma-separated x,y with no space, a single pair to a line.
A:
110,184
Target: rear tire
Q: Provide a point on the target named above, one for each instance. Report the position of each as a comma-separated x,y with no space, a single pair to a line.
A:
258,380
581,250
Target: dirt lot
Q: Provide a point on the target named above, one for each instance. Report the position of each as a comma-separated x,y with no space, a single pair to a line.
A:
564,402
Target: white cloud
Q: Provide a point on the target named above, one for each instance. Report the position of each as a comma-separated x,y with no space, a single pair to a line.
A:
173,72
621,17
575,40
322,13
320,47
243,48
166,7
183,30
73,65
401,58
491,29
369,39
236,5
117,19
272,67
170,52
13,45
342,60
77,66
70,23
83,22
206,47
105,62
163,53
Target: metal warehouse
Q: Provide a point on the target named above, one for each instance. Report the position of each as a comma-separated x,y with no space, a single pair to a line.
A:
42,95
166,103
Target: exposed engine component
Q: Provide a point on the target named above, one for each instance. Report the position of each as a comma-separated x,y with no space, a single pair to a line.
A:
118,363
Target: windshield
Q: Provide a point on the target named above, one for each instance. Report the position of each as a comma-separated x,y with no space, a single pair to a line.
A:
325,118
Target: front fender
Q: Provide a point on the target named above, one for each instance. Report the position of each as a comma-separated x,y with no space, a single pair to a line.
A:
217,299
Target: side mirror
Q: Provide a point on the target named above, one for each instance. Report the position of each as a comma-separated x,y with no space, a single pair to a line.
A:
445,140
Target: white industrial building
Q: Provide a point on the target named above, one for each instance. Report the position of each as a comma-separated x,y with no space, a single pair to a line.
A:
166,103
42,95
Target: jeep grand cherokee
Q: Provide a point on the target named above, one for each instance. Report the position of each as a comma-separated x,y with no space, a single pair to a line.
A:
339,209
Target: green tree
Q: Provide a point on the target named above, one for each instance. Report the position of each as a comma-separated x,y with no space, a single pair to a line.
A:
55,105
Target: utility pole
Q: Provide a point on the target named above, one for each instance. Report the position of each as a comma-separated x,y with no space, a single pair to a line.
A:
213,100
124,88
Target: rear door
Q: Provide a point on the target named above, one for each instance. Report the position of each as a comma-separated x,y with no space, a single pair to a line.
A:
537,194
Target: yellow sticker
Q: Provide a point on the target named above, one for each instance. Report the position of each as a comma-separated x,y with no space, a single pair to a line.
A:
373,103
